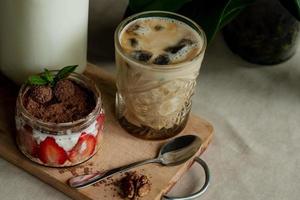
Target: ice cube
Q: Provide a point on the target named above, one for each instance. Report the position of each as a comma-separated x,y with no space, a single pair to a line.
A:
133,42
180,45
186,41
133,28
174,49
141,55
158,27
162,59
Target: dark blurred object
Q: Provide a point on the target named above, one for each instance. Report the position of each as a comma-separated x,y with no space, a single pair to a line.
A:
211,15
264,33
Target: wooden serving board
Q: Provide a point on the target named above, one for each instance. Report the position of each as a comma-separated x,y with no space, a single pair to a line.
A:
118,148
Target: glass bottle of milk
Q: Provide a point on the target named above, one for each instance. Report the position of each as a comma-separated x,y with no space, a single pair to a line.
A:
35,34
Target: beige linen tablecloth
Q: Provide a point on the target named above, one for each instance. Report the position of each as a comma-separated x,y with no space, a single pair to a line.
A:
255,153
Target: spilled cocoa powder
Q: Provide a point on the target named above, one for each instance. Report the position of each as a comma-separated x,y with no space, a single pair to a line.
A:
134,186
67,101
130,185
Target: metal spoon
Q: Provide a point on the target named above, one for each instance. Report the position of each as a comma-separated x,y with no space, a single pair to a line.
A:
175,152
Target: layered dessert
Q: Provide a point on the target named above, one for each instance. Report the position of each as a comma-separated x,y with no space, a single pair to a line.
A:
59,124
158,60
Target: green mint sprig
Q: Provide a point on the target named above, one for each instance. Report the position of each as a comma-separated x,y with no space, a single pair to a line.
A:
46,78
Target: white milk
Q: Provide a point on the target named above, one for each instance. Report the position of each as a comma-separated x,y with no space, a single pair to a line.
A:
35,34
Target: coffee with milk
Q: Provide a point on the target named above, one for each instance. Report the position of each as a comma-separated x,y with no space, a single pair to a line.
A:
158,61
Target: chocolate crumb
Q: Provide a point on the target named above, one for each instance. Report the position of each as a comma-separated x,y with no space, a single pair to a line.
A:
73,171
32,106
61,171
99,183
134,185
64,89
86,170
41,94
144,186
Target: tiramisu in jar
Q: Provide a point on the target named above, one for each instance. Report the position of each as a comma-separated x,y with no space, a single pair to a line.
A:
59,124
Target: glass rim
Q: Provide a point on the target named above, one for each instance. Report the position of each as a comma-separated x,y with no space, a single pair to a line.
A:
127,20
60,127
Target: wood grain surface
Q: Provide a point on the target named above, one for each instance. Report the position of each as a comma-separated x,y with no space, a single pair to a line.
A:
118,148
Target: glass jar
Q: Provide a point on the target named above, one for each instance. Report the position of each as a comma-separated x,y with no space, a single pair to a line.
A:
35,34
154,102
60,144
264,33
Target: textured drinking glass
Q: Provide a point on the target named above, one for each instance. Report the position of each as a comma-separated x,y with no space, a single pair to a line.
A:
154,101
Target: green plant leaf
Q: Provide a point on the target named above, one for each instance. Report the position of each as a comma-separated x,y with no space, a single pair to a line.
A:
48,76
233,8
293,6
37,80
166,5
212,15
64,72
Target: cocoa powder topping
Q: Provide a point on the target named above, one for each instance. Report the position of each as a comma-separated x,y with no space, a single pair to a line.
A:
67,101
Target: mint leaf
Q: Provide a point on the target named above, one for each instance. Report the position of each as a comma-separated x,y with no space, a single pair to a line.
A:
47,76
64,72
37,80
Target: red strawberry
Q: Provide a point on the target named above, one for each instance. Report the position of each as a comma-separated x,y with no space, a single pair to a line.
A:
51,153
100,121
83,149
28,141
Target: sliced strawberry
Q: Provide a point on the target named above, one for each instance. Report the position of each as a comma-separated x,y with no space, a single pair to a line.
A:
28,141
83,149
100,120
51,153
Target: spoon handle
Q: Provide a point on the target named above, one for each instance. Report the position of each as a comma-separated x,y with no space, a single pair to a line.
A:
82,181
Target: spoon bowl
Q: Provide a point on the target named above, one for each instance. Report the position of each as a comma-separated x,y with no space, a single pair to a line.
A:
179,150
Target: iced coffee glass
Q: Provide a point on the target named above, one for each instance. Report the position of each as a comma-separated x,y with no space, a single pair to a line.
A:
158,57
